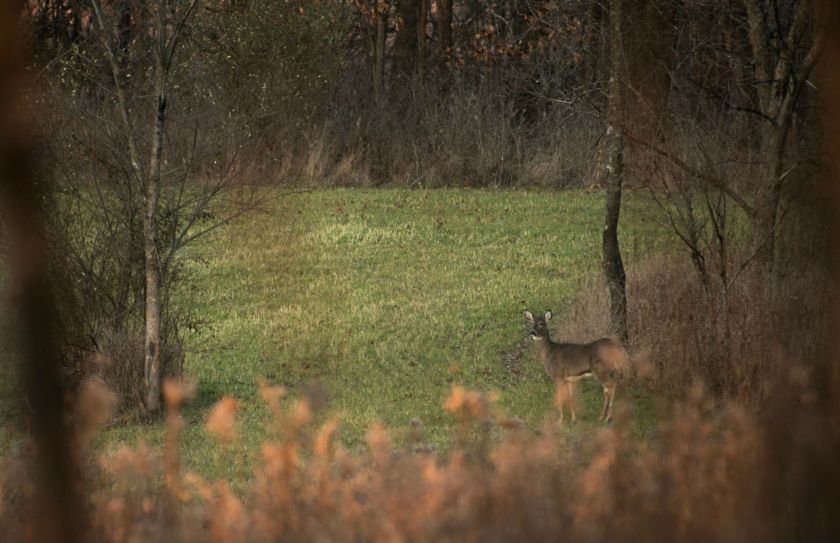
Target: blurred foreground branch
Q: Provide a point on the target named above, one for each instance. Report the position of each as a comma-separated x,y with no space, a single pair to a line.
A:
56,495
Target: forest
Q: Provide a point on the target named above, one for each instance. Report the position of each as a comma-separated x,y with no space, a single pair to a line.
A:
419,270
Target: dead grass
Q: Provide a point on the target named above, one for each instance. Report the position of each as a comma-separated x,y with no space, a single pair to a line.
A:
730,340
723,475
470,136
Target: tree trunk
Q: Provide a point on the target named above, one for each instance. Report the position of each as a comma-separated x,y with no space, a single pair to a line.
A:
150,253
649,55
765,217
405,43
445,30
379,55
518,21
594,42
124,32
129,280
779,75
148,181
422,19
613,264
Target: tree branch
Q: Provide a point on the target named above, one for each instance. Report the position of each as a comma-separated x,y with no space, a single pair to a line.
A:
711,180
134,156
757,22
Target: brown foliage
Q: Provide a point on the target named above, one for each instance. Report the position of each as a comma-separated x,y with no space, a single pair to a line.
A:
712,474
732,341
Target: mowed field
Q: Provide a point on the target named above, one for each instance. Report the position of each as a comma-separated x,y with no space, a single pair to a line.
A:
386,298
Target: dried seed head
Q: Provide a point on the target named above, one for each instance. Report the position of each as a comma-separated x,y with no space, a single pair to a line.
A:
222,419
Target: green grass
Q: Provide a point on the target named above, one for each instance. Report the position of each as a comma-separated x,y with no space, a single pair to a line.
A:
387,298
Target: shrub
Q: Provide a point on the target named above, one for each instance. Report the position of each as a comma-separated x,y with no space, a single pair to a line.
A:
710,475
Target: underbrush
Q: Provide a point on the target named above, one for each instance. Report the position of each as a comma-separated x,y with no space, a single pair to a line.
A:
732,339
471,135
715,473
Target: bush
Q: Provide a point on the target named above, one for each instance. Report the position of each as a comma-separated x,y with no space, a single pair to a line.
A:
731,342
709,476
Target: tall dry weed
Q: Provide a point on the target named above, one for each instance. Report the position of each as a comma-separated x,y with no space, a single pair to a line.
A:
734,340
713,473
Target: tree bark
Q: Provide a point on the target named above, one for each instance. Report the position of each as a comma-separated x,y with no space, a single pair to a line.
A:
405,43
767,198
124,31
765,216
445,29
166,35
779,77
122,103
612,261
649,54
152,276
150,252
422,19
379,54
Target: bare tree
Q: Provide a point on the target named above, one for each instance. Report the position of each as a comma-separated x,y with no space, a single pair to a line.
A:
405,42
444,29
765,54
170,19
422,38
612,261
380,11
784,52
143,171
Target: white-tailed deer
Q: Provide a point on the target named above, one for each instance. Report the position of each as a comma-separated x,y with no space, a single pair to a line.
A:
567,363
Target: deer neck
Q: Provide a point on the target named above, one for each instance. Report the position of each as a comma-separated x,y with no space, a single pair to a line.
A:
544,347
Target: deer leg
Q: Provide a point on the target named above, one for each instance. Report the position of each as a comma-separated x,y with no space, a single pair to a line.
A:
570,389
606,403
559,399
608,417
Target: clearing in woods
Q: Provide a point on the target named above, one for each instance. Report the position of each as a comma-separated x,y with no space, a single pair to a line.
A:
386,298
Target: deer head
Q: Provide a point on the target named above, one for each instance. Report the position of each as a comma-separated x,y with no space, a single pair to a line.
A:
539,325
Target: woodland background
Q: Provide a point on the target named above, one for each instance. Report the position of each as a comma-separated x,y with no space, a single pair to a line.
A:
140,131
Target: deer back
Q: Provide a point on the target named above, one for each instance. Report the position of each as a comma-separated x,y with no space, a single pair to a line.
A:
604,358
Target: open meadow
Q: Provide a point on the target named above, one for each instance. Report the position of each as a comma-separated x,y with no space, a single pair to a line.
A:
383,300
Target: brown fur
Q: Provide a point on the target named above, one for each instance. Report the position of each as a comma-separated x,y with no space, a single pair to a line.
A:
566,363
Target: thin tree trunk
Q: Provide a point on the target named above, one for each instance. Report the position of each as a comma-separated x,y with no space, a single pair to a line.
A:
422,19
166,37
595,41
613,264
379,55
122,103
778,84
151,185
150,253
128,279
519,11
124,31
445,29
404,51
765,217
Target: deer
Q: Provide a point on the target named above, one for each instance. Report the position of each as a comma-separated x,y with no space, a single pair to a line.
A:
567,363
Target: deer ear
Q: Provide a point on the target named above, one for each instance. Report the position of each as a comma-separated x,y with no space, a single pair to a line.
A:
529,316
548,315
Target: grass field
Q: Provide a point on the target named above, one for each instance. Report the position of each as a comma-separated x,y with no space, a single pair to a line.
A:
387,298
